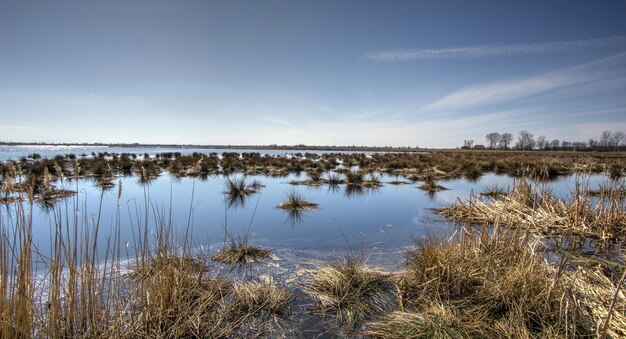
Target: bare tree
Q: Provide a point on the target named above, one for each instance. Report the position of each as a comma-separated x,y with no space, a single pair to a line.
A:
617,139
492,139
525,140
556,143
593,143
505,140
542,142
605,139
468,143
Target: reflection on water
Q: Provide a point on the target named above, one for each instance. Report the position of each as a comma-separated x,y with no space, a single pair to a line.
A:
383,219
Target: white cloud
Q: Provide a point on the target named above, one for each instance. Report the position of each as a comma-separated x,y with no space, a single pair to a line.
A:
496,50
511,89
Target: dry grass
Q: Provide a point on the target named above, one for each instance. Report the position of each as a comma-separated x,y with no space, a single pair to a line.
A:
431,186
296,202
262,299
174,298
496,286
168,294
541,212
237,190
349,291
436,321
241,253
594,292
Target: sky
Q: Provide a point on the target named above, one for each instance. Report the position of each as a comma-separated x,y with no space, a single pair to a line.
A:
375,73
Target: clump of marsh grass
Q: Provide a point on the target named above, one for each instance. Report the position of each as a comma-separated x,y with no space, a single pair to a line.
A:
237,190
261,299
171,290
314,179
354,178
541,212
373,181
398,182
349,291
240,253
296,202
615,170
334,180
481,285
604,301
494,191
436,321
431,186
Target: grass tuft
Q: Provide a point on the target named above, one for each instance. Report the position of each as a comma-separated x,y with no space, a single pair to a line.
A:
349,291
241,253
296,202
262,299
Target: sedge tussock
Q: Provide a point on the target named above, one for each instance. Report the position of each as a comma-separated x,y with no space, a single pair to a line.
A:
496,286
541,212
260,299
296,202
431,186
241,253
349,291
437,321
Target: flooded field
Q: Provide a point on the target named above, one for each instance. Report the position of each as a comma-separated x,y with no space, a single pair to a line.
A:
116,231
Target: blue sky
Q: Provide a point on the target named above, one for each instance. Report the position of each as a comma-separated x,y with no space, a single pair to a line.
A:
427,73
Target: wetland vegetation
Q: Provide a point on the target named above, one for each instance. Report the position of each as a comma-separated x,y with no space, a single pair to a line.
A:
521,261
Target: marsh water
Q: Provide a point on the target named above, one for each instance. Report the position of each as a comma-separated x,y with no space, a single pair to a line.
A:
375,223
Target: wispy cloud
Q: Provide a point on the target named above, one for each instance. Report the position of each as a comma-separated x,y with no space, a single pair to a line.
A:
276,120
497,50
601,71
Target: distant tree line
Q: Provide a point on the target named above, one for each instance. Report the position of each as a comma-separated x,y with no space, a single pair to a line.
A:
608,141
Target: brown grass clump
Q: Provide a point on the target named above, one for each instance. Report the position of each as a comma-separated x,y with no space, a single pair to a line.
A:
431,186
595,292
237,190
480,286
296,202
541,212
350,291
261,299
437,321
241,253
175,298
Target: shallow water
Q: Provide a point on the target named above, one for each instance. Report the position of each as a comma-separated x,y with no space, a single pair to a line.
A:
374,223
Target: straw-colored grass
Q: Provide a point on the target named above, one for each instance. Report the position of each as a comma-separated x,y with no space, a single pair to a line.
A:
349,291
595,292
262,299
496,286
431,186
475,286
541,212
296,202
436,321
237,190
241,253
